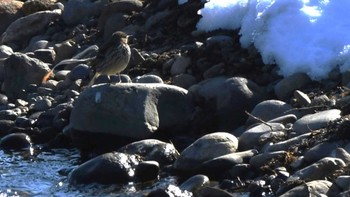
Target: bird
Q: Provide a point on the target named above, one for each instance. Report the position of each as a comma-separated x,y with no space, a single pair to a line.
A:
112,57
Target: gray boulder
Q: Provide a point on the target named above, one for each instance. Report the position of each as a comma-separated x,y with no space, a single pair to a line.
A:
75,11
251,137
320,169
28,26
285,88
315,121
269,109
10,10
132,110
204,149
222,102
19,71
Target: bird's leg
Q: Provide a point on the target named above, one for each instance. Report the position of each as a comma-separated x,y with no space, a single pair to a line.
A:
120,79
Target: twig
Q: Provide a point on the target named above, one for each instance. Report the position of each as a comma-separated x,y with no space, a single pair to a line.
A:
259,120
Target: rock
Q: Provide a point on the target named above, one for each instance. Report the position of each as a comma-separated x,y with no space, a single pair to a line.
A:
62,74
285,88
244,171
315,121
222,102
212,191
250,138
3,99
8,114
135,111
109,168
5,127
10,10
20,71
156,18
64,50
16,142
136,57
312,188
320,169
286,144
42,105
302,98
5,51
115,22
267,110
214,71
226,162
81,71
321,150
30,7
341,154
123,6
152,149
122,78
262,159
37,44
184,80
147,171
170,190
180,65
28,26
343,182
148,79
75,11
285,120
195,183
45,55
204,149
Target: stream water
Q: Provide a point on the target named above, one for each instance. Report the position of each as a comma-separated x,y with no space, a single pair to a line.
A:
22,174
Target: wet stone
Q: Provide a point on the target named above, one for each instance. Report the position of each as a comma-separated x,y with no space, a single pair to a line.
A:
119,167
147,171
15,141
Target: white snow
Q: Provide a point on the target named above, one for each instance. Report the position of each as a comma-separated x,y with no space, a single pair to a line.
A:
310,36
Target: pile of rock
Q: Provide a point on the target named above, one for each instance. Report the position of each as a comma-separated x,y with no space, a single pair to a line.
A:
193,105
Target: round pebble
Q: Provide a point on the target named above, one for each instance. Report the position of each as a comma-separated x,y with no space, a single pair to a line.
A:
15,141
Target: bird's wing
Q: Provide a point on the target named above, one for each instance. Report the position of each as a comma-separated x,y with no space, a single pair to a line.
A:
103,50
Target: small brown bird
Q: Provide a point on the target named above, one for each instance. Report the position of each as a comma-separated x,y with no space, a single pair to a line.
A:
113,56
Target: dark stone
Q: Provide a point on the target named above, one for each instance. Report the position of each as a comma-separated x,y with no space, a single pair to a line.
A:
5,127
21,70
15,141
152,149
147,171
81,71
109,168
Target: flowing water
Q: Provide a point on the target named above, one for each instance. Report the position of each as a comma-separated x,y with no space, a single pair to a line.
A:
22,174
45,174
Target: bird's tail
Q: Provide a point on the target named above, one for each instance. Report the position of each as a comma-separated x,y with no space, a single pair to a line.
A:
64,62
93,79
47,76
